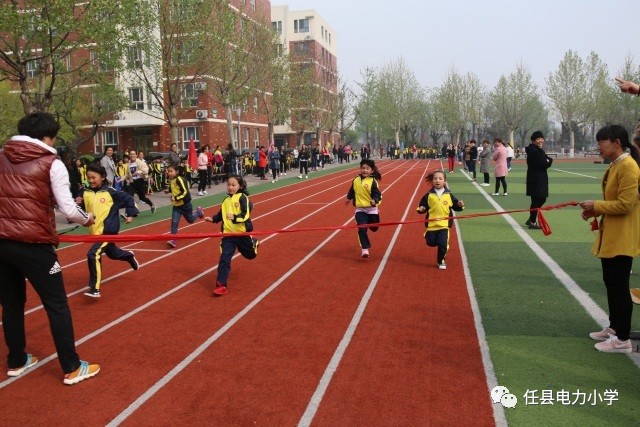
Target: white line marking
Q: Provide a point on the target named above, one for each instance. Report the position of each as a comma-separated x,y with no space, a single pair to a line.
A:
492,381
575,173
205,345
583,298
316,398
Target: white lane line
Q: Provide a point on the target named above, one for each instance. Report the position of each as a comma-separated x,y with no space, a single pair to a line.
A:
490,374
135,405
316,398
583,298
575,173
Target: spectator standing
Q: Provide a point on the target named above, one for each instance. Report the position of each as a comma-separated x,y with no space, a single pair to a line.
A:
174,156
500,167
618,233
537,179
32,181
109,165
274,162
485,162
203,160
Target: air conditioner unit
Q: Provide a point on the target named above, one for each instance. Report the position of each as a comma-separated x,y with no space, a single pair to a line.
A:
202,114
118,116
308,38
200,86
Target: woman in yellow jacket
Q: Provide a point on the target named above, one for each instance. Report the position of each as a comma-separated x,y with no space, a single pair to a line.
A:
618,233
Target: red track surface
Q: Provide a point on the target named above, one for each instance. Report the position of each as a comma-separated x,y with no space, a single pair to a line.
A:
173,354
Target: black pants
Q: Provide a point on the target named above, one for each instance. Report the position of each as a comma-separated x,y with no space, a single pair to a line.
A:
486,177
439,238
365,218
304,165
471,166
615,274
94,260
139,187
39,264
228,246
536,202
202,179
502,180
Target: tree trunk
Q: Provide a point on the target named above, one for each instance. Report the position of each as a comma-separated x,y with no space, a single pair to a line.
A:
229,116
572,140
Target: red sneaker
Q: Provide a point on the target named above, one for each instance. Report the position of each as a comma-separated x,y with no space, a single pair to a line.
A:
220,289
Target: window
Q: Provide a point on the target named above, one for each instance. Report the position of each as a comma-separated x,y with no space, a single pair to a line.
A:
235,136
189,95
277,26
109,139
134,57
32,69
136,98
255,105
279,50
252,3
245,138
322,31
256,138
188,133
301,26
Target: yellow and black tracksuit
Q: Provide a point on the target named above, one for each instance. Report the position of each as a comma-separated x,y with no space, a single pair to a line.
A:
105,204
361,192
440,207
181,201
239,205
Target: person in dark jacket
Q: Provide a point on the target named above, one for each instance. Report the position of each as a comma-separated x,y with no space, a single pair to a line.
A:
537,179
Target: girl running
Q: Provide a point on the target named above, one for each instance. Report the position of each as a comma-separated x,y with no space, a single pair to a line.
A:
365,195
104,202
235,215
438,204
181,201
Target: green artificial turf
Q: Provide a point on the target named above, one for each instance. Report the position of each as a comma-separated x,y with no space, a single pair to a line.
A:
536,330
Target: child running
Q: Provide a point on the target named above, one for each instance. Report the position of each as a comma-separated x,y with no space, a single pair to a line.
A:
438,204
235,214
181,201
365,195
104,202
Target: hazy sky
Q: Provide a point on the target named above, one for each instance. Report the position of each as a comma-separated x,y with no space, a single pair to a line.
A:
487,37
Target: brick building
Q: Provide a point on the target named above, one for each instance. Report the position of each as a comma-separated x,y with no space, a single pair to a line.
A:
306,34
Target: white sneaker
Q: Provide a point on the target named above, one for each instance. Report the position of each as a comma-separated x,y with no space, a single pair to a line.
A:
505,194
365,253
273,180
205,193
200,193
306,176
614,345
602,335
442,266
299,176
495,194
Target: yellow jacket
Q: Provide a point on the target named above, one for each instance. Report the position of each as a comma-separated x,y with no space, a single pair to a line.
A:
619,232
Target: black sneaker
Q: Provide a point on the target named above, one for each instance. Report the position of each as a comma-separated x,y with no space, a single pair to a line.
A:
535,226
153,210
93,293
134,262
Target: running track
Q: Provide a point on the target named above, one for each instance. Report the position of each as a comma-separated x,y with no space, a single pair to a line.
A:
309,332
